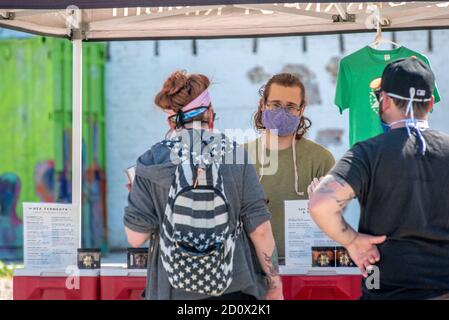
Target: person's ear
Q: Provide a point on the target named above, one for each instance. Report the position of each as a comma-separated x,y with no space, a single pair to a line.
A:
385,104
431,103
302,109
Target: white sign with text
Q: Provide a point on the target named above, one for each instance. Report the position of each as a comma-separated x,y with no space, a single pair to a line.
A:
51,235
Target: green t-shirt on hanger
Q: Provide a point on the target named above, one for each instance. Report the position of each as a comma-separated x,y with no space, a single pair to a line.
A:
353,92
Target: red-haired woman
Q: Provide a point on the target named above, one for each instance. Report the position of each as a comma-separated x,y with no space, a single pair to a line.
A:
188,261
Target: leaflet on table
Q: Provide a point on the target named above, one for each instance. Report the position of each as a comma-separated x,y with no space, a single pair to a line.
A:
307,247
51,235
130,174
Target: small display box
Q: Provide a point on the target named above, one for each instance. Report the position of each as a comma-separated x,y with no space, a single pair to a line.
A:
137,258
120,283
31,284
89,258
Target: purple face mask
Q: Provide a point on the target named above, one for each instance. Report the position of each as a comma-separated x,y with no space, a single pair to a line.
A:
280,120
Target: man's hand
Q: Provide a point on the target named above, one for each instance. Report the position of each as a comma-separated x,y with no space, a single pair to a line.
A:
326,208
363,251
313,185
275,293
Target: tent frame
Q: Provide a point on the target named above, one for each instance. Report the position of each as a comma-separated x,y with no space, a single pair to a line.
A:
77,127
405,15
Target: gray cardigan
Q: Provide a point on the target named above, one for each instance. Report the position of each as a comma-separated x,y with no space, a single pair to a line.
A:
146,207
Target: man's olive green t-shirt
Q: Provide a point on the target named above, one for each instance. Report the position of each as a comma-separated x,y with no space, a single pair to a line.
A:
312,160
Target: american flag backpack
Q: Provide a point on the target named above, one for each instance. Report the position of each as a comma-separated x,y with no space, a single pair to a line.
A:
196,239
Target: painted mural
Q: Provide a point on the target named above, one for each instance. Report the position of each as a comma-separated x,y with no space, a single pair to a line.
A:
35,136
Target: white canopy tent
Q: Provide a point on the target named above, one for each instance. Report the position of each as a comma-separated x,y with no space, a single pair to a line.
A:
99,20
102,20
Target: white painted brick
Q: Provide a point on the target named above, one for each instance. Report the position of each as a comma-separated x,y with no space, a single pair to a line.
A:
134,75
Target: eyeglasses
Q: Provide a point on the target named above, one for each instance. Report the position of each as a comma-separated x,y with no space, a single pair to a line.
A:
290,107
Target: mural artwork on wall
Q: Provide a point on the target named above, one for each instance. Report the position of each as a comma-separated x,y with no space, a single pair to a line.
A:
11,226
94,191
44,181
35,162
64,185
94,195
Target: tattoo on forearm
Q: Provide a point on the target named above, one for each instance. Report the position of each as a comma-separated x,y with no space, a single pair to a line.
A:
270,283
272,263
325,188
272,266
325,184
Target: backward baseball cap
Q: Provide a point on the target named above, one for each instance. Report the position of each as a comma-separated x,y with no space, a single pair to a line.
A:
404,76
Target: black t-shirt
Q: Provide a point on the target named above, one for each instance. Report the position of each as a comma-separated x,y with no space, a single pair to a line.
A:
405,196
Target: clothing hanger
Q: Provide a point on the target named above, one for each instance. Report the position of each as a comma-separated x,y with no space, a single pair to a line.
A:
379,38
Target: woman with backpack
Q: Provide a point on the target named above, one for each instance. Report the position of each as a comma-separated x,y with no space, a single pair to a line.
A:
206,216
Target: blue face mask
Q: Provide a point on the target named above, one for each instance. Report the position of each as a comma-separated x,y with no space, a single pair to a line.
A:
385,126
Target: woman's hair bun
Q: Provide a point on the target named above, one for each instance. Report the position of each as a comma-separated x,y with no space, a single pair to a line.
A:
177,81
179,89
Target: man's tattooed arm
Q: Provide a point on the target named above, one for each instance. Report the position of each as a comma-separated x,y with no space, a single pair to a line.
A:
327,204
272,266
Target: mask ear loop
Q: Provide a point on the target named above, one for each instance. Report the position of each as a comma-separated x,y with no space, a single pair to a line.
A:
295,167
262,163
413,123
294,164
409,109
180,121
262,160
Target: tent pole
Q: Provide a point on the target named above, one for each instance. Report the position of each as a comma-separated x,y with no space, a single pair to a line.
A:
77,129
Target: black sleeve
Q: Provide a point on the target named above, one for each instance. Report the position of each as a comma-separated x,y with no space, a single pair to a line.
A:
354,168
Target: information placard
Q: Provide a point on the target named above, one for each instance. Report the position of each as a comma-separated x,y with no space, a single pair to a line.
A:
51,235
307,248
